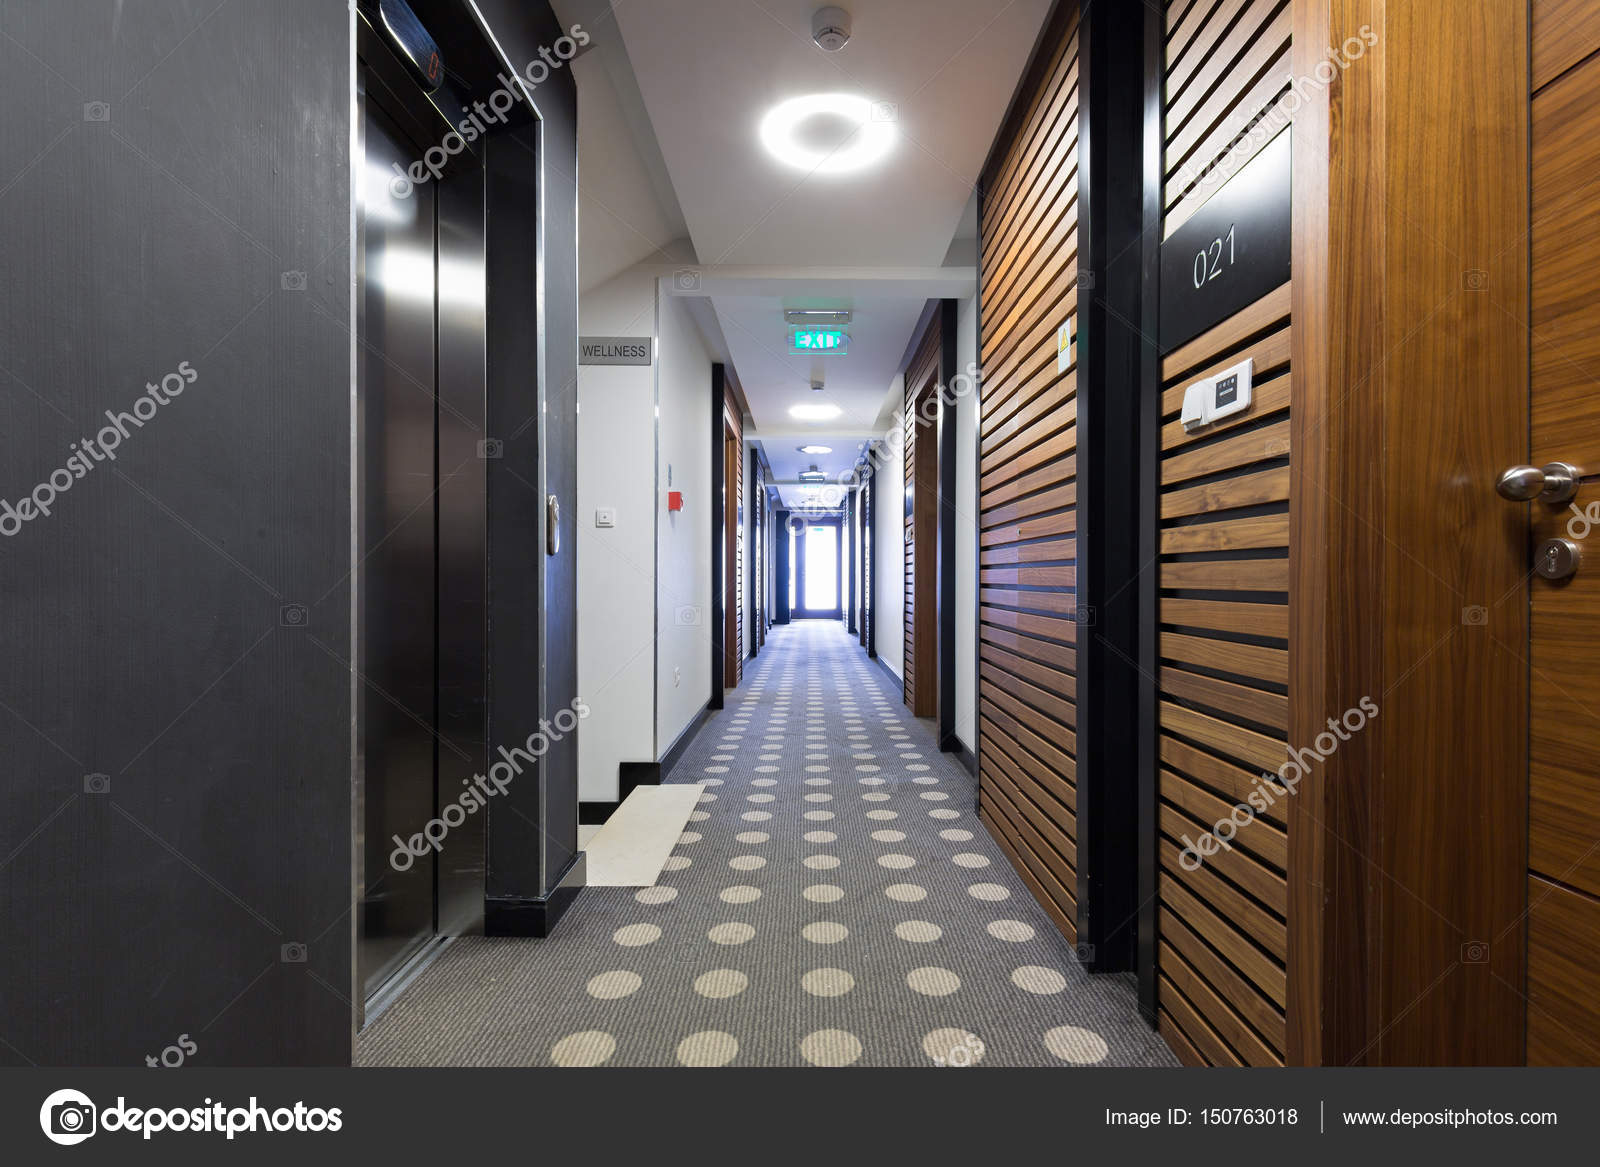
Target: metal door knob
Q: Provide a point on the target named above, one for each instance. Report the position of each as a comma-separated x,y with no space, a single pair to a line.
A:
1553,483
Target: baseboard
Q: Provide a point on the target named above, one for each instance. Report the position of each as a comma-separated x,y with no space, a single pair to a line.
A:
968,759
899,685
630,776
504,916
676,750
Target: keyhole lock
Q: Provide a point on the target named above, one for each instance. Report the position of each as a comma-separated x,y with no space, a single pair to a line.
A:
1557,559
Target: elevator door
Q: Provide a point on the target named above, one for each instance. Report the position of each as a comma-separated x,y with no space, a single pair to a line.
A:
396,548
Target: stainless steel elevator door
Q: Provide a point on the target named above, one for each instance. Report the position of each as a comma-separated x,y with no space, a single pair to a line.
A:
397,553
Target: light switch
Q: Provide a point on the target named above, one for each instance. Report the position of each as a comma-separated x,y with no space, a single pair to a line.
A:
605,517
1214,398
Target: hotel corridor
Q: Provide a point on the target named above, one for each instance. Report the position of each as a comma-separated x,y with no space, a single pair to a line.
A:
835,901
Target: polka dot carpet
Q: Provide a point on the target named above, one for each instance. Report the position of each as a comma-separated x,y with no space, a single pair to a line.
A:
834,901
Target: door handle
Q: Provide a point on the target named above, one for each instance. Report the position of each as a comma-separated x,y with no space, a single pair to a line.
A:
1553,483
552,524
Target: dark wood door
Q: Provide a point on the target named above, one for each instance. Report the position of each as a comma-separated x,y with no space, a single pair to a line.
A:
922,531
733,560
1564,654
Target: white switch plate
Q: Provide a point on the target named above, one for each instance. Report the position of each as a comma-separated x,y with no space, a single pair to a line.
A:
1214,398
605,517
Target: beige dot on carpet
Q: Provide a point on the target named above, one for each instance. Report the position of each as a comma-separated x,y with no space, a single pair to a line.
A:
710,1047
830,1047
1082,1047
827,982
734,933
825,932
634,935
906,893
933,981
720,983
592,1047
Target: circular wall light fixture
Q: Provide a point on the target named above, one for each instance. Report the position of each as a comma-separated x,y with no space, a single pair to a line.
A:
815,449
814,412
873,137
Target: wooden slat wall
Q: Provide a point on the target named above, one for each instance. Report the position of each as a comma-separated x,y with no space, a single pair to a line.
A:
921,466
733,611
1027,523
1224,582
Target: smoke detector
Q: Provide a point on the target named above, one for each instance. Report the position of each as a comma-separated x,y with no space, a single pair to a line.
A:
830,28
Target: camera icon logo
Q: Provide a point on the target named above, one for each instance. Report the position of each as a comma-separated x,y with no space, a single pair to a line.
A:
96,111
1475,952
687,616
293,281
1475,279
292,953
686,280
67,1117
491,448
1475,615
97,783
885,111
294,616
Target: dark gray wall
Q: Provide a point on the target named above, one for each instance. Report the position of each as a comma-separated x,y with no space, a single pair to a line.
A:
533,827
150,626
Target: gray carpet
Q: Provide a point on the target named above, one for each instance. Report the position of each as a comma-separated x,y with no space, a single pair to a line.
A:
835,901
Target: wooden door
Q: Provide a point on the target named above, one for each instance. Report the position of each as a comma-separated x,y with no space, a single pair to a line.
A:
733,559
1564,654
922,532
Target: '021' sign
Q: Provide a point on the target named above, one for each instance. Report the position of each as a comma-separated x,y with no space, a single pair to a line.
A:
1232,251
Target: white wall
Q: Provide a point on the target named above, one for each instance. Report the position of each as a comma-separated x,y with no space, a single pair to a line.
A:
683,593
616,566
889,541
966,408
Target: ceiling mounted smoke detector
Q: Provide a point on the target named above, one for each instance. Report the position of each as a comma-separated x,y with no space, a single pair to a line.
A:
830,28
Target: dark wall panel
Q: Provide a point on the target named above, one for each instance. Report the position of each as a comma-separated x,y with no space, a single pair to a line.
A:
533,830
179,623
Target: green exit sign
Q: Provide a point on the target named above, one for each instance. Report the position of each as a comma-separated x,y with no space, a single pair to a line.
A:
820,341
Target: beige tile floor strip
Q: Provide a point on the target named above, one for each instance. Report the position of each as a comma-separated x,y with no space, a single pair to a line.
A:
633,847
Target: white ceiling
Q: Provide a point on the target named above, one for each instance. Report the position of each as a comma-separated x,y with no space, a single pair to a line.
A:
876,241
710,69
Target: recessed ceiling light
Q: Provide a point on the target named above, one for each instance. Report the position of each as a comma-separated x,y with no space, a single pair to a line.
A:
814,412
815,449
873,137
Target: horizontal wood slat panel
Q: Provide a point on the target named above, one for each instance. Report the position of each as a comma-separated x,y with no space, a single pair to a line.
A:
1224,543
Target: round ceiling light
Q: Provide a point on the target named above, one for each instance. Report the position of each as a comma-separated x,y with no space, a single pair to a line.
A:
814,412
815,449
872,138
